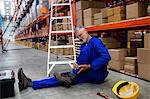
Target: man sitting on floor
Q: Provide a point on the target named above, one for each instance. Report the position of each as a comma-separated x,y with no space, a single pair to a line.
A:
92,66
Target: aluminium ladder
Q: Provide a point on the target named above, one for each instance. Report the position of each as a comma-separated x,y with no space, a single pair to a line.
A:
52,64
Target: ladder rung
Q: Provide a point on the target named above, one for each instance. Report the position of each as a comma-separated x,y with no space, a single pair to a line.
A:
63,17
66,31
62,46
61,62
61,4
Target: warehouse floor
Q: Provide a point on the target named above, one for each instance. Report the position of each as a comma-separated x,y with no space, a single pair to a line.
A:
34,64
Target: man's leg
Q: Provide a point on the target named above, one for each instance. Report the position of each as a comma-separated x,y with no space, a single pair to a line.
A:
44,83
25,82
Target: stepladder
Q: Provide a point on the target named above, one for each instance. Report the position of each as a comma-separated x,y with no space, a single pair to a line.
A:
61,46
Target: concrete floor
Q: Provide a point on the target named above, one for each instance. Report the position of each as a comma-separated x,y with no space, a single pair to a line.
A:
34,64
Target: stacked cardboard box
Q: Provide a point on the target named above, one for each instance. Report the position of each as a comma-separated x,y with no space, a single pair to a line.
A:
89,16
110,14
82,5
131,65
98,19
117,58
135,10
110,42
143,55
119,13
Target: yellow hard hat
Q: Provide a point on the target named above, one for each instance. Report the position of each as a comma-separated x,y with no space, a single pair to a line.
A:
126,90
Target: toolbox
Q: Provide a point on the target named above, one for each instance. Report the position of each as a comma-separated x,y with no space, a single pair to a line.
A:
7,81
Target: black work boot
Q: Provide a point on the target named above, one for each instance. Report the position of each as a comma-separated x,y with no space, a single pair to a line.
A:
24,81
65,81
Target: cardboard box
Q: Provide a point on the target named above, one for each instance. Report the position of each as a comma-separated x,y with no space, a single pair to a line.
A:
147,40
116,65
100,21
79,18
110,12
135,10
88,21
82,5
129,68
144,71
104,12
90,12
117,54
119,10
143,55
132,35
111,18
131,61
119,17
97,16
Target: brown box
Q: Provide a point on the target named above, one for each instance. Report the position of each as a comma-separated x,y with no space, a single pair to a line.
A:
144,71
104,12
135,10
119,17
119,10
143,55
79,16
82,5
100,21
131,35
129,68
116,65
110,12
147,40
131,61
118,54
90,12
97,16
111,18
88,21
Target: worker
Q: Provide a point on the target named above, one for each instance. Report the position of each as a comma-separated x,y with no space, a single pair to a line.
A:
91,65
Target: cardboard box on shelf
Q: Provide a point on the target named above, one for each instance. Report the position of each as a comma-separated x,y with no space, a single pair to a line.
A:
118,54
88,21
111,18
147,40
110,12
119,17
119,10
79,17
112,45
96,4
100,21
132,35
97,16
104,12
144,71
90,12
129,68
81,5
143,55
135,10
116,65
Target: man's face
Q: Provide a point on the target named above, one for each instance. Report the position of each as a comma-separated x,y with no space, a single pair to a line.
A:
82,35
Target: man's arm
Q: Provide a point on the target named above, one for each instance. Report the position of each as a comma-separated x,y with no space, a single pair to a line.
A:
103,55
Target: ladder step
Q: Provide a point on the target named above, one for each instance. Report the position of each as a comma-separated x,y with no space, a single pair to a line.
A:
61,4
62,46
61,62
63,17
66,31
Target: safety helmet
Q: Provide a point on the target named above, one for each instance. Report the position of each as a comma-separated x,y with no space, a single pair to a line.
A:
126,90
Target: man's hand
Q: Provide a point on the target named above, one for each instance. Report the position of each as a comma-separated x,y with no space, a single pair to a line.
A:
83,67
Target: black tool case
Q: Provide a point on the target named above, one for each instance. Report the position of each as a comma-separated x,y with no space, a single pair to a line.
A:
7,81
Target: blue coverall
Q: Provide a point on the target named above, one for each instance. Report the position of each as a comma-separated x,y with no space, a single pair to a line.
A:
93,53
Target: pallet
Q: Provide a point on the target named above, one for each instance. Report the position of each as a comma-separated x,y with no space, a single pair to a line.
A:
129,74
